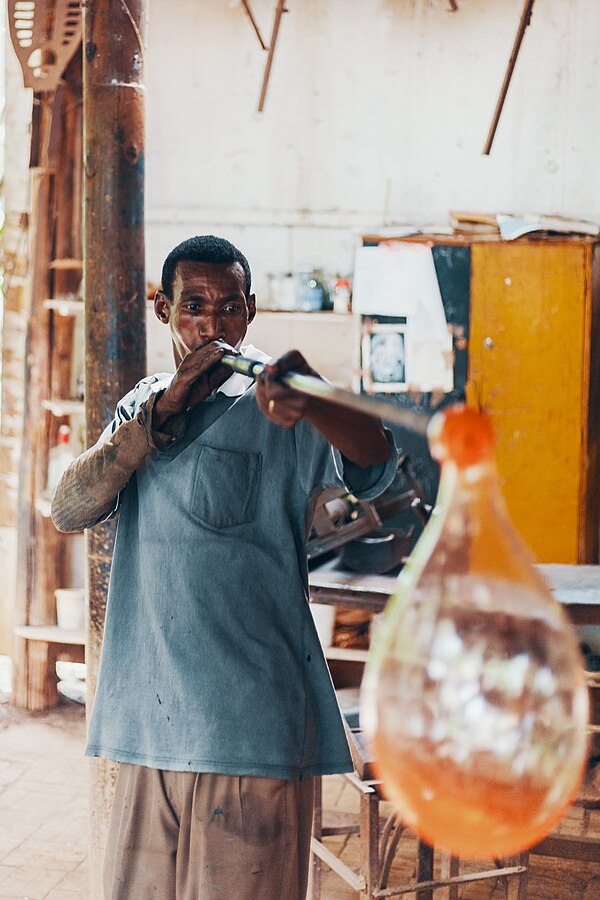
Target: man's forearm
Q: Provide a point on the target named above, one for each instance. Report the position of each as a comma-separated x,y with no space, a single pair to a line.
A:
88,490
357,436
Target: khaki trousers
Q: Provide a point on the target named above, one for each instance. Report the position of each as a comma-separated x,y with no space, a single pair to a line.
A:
197,836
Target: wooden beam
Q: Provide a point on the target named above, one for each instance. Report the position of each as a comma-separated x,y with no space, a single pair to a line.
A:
257,31
279,11
115,292
567,846
523,23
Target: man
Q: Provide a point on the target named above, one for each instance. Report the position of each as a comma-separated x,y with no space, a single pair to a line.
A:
213,692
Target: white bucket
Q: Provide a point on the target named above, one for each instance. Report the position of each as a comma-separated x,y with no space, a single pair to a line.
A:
324,616
70,608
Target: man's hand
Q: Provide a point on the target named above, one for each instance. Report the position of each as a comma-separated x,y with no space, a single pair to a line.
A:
359,437
280,403
197,376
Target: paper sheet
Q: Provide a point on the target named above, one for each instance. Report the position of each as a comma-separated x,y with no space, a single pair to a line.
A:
429,364
399,279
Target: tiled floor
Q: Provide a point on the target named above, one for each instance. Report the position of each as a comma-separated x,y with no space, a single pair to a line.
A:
43,805
44,820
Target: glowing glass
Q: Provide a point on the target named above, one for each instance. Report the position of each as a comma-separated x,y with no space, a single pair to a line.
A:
474,698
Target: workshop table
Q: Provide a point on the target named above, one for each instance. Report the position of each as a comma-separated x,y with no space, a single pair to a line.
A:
577,587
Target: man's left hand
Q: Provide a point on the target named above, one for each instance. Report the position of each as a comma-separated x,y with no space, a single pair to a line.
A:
281,404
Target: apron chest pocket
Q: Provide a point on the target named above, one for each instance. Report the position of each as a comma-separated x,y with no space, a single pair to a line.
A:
225,487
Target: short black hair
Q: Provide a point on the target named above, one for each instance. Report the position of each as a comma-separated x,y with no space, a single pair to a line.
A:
204,248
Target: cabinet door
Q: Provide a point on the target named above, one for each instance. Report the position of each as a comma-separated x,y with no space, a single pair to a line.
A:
526,367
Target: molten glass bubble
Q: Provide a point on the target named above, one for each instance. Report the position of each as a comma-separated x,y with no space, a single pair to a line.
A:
474,699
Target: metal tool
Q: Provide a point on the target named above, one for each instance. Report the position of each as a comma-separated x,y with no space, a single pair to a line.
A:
415,420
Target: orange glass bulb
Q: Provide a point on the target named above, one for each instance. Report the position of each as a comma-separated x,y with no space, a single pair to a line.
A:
474,698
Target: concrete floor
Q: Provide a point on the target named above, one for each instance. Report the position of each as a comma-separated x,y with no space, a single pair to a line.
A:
43,805
44,820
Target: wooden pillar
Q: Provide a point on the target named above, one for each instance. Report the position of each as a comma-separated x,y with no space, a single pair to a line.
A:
115,290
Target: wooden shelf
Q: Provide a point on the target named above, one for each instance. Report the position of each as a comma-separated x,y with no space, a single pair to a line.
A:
66,264
61,408
50,634
64,307
347,654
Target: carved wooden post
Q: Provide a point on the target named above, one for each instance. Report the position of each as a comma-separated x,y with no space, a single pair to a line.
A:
115,289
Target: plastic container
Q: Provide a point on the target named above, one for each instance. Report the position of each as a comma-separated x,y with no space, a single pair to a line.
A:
283,288
313,295
59,458
70,608
341,292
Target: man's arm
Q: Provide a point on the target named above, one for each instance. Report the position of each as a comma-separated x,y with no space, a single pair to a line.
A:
88,490
359,437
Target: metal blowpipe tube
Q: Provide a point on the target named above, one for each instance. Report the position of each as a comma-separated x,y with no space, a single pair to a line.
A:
315,387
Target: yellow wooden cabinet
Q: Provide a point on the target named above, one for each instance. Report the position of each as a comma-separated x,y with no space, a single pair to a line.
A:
534,365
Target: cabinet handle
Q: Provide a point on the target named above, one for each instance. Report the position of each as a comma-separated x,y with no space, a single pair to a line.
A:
488,343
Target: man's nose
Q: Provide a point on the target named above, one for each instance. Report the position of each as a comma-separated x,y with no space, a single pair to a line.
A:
212,328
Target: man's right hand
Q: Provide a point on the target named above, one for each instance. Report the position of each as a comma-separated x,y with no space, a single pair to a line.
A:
198,375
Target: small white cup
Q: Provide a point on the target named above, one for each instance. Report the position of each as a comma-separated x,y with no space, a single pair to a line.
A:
70,608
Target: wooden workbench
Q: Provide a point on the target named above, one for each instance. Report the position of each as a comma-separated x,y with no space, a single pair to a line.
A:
577,587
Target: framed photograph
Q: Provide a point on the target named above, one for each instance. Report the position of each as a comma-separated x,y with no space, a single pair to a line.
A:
383,350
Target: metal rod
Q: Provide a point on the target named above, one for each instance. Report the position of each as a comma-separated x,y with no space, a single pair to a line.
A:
414,420
279,11
523,23
246,5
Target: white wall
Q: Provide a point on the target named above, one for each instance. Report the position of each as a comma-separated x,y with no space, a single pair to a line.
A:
377,109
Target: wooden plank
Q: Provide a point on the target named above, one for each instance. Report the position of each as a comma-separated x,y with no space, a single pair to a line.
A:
64,307
397,891
369,840
50,634
589,548
61,408
350,654
568,846
317,834
356,882
38,690
66,264
424,870
450,868
29,605
577,587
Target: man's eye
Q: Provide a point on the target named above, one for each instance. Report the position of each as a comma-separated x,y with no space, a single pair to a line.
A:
232,308
193,307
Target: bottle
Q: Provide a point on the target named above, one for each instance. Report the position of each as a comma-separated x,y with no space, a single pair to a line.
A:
59,457
474,700
341,291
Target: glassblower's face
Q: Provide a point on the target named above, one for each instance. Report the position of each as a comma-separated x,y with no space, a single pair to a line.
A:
208,303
